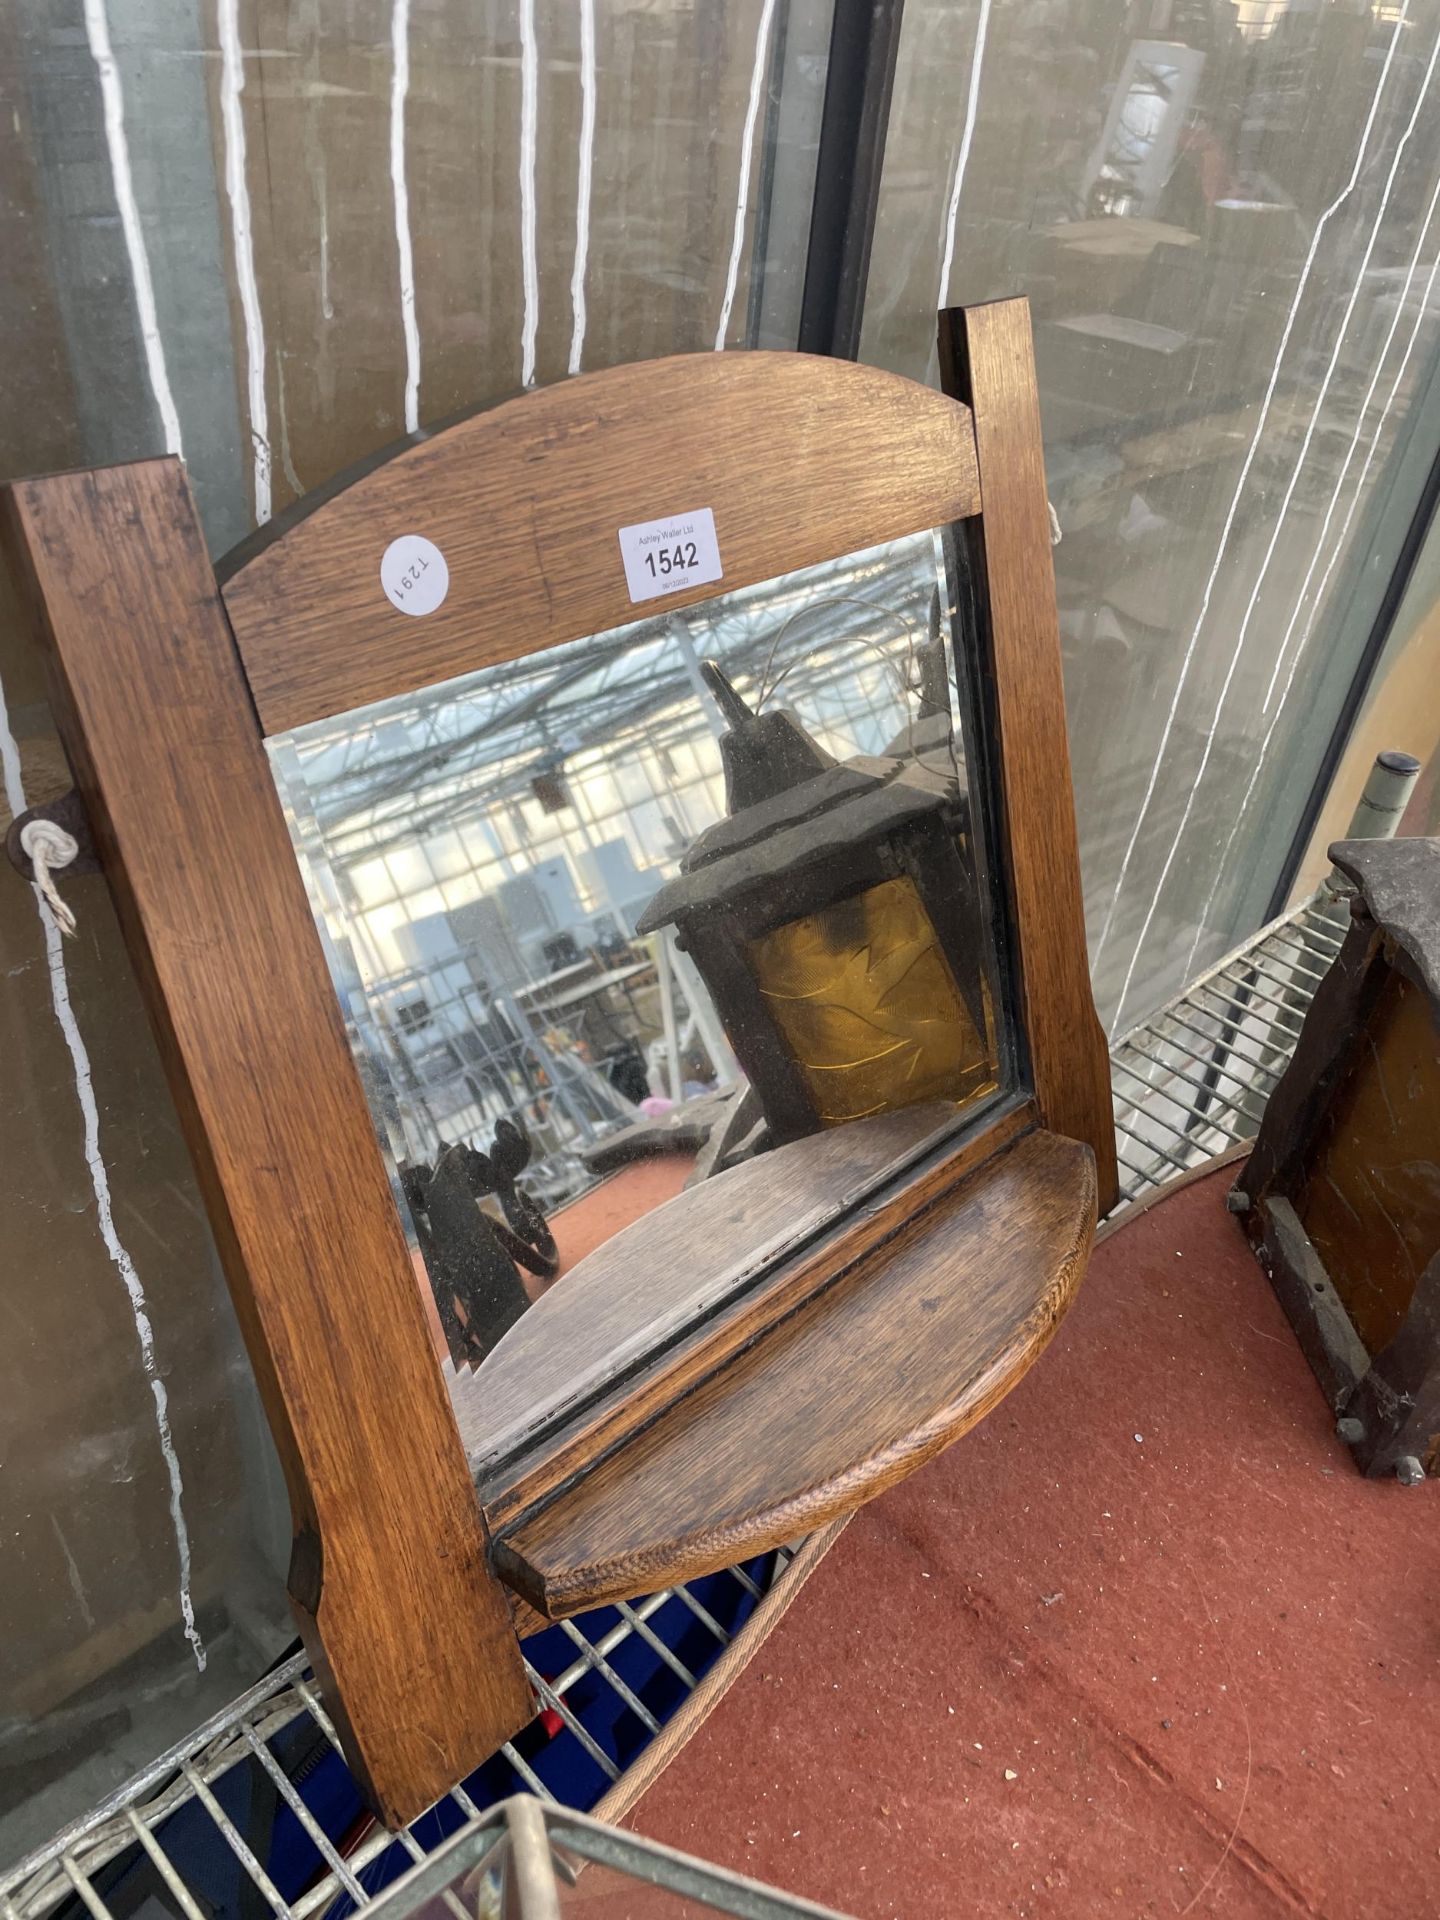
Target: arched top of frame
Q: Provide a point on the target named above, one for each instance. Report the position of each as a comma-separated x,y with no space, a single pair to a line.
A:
799,458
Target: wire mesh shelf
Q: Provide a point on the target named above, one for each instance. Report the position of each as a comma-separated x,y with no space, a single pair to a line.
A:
1189,1082
334,1863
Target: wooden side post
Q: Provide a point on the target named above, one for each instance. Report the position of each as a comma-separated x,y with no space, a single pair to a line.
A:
409,1631
987,360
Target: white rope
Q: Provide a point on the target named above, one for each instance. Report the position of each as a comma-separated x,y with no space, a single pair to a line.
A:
48,848
1056,536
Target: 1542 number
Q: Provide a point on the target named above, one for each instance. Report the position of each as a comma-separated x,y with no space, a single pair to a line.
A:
676,559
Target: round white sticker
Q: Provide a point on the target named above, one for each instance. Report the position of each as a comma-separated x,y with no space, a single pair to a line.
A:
414,574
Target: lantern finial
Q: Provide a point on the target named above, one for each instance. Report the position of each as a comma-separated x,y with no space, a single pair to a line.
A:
764,754
731,705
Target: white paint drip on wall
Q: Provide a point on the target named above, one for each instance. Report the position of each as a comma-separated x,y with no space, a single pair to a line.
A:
1237,650
1334,360
399,91
1231,514
100,1185
1338,547
10,763
529,117
747,145
1335,549
327,305
124,1266
112,100
962,158
287,464
313,160
232,85
584,183
1223,864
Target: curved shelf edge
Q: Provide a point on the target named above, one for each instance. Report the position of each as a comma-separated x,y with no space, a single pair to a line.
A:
862,1384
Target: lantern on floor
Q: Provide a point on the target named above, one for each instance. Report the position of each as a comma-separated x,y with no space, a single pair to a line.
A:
1341,1195
834,917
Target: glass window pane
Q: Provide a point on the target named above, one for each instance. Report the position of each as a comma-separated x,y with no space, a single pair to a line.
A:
1223,218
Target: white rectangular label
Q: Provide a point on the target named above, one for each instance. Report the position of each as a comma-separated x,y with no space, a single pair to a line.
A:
666,556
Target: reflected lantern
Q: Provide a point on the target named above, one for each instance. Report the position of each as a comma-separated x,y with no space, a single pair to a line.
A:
835,919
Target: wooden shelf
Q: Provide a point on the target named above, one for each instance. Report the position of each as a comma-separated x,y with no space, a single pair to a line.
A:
688,1259
905,1351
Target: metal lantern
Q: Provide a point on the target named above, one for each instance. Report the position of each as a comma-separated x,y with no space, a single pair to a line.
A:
834,917
1341,1196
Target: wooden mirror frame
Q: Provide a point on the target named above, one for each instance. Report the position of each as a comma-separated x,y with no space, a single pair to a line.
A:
166,685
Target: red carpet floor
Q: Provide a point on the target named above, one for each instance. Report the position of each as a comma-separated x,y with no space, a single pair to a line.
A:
1143,1643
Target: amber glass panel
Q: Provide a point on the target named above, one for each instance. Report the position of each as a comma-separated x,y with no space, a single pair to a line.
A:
863,997
1371,1204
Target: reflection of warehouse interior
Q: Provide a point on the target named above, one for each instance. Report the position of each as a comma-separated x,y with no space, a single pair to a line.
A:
479,855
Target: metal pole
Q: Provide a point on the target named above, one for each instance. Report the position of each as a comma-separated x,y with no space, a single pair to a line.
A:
864,43
1379,810
530,1889
1387,793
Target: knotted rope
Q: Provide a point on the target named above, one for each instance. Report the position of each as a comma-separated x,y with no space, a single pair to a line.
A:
48,848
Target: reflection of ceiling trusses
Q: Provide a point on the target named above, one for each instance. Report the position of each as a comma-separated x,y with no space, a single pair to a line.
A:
397,772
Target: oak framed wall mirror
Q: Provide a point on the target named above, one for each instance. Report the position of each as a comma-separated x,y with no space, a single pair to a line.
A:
605,884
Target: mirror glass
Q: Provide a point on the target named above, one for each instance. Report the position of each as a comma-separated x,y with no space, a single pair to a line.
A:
641,912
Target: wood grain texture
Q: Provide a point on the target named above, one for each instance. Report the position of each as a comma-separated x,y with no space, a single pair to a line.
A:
859,1352
1398,1402
854,1390
674,1265
1331,1034
409,1631
801,459
1370,1199
1329,1342
987,359
1339,1194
